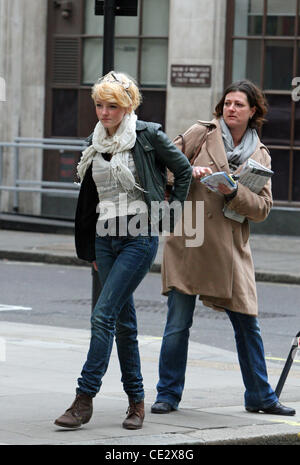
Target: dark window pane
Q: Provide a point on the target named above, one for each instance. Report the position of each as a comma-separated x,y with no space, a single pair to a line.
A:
280,179
280,25
276,130
297,124
298,51
281,17
153,107
255,25
64,115
278,72
88,118
296,176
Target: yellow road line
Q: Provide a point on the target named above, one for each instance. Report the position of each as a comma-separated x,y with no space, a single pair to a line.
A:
288,422
281,359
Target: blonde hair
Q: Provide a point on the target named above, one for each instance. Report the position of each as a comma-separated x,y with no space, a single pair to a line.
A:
117,88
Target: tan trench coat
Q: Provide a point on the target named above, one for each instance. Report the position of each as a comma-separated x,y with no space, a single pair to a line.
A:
221,270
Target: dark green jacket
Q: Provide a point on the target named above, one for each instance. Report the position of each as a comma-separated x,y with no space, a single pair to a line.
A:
153,153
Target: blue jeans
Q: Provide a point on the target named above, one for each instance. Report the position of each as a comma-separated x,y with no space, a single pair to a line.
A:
122,263
174,352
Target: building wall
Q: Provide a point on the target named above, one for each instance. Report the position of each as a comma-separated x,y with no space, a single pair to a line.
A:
196,37
22,65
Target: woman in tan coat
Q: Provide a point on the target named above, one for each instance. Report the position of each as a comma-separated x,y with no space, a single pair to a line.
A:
220,270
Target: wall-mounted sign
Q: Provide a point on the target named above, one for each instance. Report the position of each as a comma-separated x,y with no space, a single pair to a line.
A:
190,75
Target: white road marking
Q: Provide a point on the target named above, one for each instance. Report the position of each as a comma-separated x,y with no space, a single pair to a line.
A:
8,308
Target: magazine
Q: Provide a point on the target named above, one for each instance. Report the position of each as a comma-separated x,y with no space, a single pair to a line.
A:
221,177
254,176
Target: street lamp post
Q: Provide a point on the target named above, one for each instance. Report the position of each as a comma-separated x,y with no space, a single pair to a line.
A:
109,8
109,36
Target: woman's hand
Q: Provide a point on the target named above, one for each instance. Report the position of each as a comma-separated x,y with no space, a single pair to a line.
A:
200,171
225,189
228,193
95,266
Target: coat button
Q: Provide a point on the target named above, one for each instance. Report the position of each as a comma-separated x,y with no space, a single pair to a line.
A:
209,215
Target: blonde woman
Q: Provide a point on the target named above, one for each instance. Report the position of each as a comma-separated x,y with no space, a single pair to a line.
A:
124,166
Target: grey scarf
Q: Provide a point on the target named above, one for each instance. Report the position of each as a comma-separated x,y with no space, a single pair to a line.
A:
239,154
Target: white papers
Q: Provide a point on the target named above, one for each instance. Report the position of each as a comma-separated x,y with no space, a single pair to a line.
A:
221,177
254,176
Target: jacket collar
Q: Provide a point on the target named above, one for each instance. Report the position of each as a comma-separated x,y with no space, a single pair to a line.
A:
140,125
215,146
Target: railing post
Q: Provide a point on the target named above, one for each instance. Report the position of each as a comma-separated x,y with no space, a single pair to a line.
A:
288,364
1,169
1,163
16,176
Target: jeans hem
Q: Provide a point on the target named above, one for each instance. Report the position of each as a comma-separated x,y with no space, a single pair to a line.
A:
136,400
262,407
88,393
173,404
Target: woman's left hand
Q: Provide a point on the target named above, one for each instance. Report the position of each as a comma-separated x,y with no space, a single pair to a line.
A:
223,189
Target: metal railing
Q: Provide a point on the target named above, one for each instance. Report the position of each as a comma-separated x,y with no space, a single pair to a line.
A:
64,189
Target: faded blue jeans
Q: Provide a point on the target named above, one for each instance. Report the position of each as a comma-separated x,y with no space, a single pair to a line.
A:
122,264
174,352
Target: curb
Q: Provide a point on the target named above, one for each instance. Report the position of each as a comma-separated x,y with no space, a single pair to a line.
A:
20,256
202,438
283,278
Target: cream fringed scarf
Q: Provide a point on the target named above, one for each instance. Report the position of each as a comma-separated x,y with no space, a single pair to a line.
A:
119,146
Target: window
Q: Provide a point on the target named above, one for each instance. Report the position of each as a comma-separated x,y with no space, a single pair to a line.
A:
74,62
263,45
141,44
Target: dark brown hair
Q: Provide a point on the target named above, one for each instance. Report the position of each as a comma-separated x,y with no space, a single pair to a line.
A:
255,98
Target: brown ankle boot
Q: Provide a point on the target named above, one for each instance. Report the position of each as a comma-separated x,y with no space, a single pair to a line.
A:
79,413
135,415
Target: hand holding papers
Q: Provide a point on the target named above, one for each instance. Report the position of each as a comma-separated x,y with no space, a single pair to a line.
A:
221,177
254,176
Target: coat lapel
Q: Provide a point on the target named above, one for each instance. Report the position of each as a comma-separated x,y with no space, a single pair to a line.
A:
215,148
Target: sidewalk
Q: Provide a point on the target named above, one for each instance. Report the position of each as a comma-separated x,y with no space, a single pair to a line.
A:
40,364
39,376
